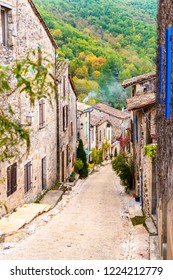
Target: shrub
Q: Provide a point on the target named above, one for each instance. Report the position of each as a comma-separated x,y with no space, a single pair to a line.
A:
123,167
81,155
78,165
97,156
150,151
72,177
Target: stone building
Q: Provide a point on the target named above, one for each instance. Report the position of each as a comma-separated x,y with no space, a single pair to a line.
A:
143,108
22,29
143,136
67,108
101,133
164,123
83,126
120,121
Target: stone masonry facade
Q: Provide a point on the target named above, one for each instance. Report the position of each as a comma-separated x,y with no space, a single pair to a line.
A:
26,31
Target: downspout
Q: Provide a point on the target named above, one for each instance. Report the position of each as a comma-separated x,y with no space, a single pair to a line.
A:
57,114
141,186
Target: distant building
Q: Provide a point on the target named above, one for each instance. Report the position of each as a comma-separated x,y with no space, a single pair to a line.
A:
101,133
120,121
83,126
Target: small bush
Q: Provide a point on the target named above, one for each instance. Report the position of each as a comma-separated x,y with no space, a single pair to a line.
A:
123,167
97,156
150,151
78,165
72,177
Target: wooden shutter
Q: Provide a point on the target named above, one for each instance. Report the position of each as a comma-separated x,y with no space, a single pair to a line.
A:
67,156
11,179
64,115
168,72
8,180
27,176
40,114
71,128
43,112
136,126
64,80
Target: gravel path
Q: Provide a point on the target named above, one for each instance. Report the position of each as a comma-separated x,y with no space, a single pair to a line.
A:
89,223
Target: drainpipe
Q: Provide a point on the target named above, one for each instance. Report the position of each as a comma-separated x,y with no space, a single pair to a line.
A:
141,187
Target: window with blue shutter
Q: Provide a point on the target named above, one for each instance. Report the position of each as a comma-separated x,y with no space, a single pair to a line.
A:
160,75
136,126
168,72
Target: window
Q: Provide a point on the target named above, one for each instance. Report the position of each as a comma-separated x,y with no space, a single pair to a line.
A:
65,117
86,129
28,176
64,87
67,150
4,24
71,128
136,126
43,173
11,179
100,136
148,129
42,113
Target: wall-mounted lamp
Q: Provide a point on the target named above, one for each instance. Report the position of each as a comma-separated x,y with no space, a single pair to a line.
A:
28,119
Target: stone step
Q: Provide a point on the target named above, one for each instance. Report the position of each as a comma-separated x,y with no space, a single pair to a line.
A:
154,248
151,227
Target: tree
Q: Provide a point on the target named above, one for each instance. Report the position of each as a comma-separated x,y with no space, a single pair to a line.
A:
123,167
81,155
32,75
97,156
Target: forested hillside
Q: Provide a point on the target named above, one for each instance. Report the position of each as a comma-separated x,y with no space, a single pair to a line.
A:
105,40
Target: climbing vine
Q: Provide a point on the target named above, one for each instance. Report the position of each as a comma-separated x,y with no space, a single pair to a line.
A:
150,151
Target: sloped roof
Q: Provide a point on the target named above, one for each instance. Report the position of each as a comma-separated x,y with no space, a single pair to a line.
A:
83,107
111,111
139,79
43,23
61,67
97,120
73,85
141,101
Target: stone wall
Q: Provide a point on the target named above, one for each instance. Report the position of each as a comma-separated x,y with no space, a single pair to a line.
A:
29,33
164,129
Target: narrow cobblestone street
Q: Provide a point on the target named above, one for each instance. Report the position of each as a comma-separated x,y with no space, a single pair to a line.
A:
91,222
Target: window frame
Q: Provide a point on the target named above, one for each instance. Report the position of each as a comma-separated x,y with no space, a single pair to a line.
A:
28,176
4,26
11,179
42,113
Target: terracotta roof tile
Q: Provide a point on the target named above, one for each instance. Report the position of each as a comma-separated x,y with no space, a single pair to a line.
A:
111,111
82,107
139,79
141,101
